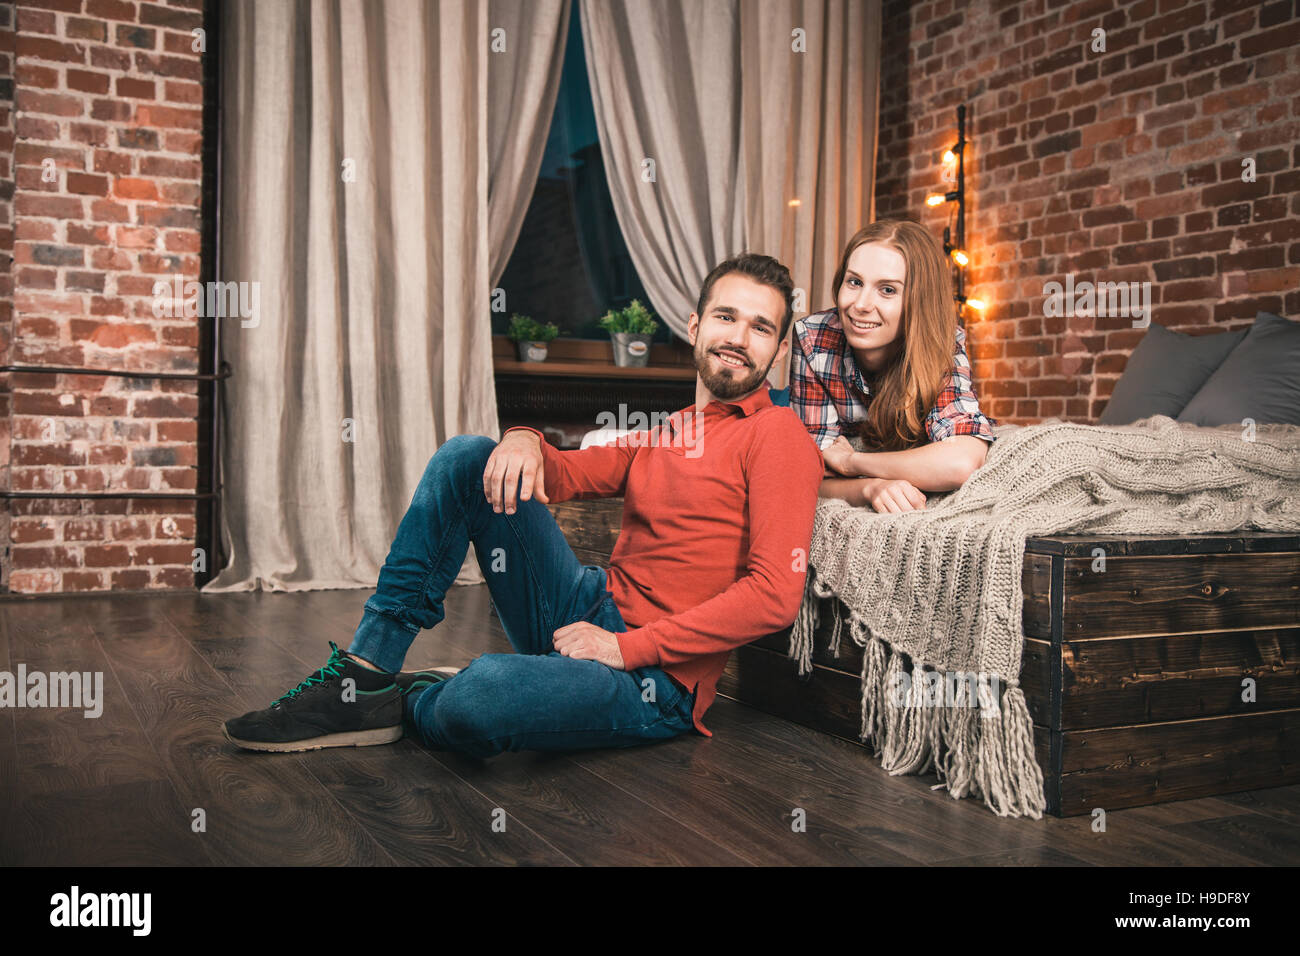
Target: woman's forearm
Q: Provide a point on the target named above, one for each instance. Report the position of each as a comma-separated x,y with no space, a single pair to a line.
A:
938,466
852,490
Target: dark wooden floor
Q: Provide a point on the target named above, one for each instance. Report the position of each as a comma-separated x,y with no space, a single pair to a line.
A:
121,789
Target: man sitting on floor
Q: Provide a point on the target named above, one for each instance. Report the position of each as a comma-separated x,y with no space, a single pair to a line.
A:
717,521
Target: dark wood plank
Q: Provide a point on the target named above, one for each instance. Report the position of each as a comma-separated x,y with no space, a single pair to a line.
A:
587,818
8,789
1025,856
1281,803
1246,834
421,814
130,824
8,742
828,700
1130,680
1036,590
1192,811
1037,660
1131,766
740,796
61,748
837,780
408,803
1181,593
252,801
1232,542
590,524
1132,842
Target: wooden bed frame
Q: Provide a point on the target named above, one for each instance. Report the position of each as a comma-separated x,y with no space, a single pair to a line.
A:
1169,671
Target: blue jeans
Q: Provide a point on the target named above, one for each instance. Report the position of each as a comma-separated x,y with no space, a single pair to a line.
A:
535,699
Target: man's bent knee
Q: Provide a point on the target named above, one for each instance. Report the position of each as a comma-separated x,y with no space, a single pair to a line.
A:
460,456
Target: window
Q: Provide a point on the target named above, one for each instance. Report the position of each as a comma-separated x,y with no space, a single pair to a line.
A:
570,264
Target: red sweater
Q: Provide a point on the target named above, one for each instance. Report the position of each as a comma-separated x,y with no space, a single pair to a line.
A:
717,523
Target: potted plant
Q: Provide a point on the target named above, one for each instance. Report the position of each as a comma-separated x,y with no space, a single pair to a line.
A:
530,337
630,331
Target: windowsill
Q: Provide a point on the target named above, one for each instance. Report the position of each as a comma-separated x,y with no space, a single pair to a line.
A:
592,358
552,367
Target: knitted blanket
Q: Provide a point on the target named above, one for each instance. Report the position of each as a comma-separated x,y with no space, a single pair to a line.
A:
940,588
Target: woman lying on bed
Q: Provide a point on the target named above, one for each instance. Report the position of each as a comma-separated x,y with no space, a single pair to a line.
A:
889,364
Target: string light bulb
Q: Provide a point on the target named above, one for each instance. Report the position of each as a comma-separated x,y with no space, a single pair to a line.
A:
935,199
959,256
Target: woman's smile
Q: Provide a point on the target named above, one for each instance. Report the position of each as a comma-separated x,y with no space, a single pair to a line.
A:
864,325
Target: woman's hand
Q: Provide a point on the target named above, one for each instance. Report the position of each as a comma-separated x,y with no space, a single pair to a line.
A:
892,495
838,456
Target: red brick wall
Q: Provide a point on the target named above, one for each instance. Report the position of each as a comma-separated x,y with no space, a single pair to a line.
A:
6,250
109,92
1117,166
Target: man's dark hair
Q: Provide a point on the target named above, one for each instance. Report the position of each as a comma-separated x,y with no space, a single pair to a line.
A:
762,269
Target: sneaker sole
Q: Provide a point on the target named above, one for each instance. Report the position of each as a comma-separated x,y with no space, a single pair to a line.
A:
356,738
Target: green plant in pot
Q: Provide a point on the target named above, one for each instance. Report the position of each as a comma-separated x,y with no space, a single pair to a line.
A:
630,331
531,337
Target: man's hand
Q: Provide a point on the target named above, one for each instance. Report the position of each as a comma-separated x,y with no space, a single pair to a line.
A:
518,453
585,641
892,495
838,456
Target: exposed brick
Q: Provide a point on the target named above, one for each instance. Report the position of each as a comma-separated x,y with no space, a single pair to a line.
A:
82,28
127,35
39,48
87,81
112,9
158,15
87,185
135,88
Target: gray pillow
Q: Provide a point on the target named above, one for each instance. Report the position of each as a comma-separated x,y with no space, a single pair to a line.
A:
1259,380
1164,372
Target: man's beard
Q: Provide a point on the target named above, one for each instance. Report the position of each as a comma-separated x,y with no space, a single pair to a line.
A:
728,386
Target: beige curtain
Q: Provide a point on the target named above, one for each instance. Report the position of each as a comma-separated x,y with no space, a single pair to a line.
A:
809,125
665,81
378,158
761,117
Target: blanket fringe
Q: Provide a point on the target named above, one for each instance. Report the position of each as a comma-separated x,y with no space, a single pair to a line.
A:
806,621
985,750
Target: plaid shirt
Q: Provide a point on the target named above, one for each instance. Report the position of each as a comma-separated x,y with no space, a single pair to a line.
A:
829,391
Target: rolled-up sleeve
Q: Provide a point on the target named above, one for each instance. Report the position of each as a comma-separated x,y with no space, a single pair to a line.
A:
957,409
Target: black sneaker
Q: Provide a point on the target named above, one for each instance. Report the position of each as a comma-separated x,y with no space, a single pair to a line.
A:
315,714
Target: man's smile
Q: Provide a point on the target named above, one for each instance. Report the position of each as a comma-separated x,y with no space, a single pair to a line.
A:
731,359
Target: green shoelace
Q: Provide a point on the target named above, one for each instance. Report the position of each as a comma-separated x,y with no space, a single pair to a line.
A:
332,668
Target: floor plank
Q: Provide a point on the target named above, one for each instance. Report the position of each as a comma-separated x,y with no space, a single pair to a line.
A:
1254,836
61,748
1022,856
105,826
717,788
1281,803
835,780
406,801
259,807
